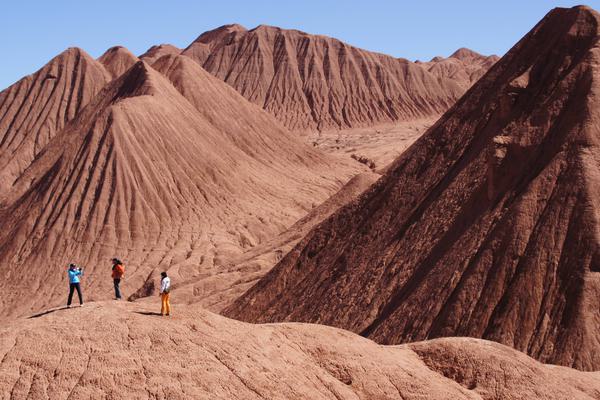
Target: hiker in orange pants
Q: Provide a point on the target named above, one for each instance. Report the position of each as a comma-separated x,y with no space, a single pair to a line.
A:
165,291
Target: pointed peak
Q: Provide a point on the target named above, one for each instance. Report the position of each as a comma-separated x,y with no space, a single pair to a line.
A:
160,48
465,54
118,50
264,27
71,52
115,48
117,60
221,31
158,51
68,57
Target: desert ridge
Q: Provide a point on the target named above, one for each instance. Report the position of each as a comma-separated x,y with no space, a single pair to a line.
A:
485,227
314,82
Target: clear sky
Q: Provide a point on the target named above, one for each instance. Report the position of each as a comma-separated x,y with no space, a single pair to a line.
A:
34,31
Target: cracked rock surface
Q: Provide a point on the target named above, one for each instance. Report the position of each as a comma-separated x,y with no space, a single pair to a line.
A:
121,350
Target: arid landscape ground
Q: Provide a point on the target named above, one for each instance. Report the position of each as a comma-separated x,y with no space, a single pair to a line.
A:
385,229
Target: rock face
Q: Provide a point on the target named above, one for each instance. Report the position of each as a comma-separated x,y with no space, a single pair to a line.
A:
164,171
34,109
312,82
488,226
122,350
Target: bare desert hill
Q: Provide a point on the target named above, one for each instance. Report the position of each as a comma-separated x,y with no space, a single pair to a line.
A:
36,108
117,60
486,227
312,82
156,52
121,350
464,66
173,171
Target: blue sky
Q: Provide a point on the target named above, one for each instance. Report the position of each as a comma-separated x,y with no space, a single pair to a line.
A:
34,31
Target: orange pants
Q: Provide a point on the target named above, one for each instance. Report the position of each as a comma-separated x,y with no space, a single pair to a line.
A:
165,307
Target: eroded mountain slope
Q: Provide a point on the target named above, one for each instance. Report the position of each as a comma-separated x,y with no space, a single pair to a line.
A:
158,179
487,226
312,82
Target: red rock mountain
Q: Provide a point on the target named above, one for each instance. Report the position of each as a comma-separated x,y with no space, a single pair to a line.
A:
156,52
313,82
117,60
34,109
488,226
464,66
165,171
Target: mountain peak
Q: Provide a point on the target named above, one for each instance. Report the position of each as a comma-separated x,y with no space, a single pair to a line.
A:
220,32
465,54
269,66
117,60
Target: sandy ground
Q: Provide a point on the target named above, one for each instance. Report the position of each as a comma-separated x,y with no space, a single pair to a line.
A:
382,144
123,350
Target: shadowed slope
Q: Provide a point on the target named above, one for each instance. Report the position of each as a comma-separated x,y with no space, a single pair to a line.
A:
313,82
34,109
124,351
142,174
487,226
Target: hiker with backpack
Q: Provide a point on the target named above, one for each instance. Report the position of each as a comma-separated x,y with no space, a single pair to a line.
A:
165,291
118,270
75,274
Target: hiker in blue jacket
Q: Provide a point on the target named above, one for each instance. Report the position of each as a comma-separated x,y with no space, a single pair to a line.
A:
75,274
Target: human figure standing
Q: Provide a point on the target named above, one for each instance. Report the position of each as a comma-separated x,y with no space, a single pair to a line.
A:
75,274
165,292
118,270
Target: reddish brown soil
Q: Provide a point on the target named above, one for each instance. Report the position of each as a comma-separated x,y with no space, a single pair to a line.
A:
173,171
156,52
35,109
117,60
487,226
121,350
312,82
464,66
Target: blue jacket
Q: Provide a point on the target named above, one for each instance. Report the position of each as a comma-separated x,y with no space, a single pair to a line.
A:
74,275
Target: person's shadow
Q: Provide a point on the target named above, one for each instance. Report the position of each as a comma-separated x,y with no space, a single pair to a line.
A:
41,314
148,313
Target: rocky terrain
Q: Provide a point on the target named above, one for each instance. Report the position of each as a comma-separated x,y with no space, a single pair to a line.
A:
459,263
312,82
74,189
486,227
166,170
218,290
122,350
